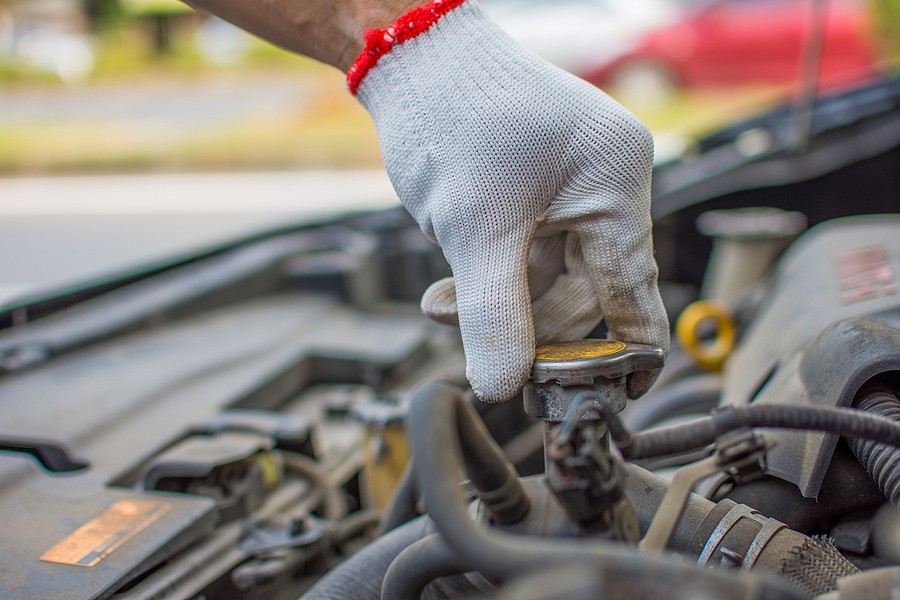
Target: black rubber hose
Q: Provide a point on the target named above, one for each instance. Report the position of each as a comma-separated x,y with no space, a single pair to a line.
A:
417,566
880,460
402,508
360,577
847,422
501,555
493,477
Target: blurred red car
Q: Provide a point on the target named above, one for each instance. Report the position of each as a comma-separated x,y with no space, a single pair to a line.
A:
739,41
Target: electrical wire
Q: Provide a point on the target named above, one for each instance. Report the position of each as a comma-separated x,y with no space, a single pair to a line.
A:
846,422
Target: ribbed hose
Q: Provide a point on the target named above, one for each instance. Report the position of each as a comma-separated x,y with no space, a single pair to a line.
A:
418,565
880,460
360,577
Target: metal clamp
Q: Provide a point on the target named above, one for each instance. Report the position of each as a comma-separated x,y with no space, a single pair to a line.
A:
749,555
740,454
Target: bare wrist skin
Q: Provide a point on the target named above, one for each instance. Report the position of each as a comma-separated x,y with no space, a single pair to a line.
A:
330,31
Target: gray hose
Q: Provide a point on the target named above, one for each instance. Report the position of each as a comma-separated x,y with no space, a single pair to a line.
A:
417,566
360,577
697,394
493,477
880,460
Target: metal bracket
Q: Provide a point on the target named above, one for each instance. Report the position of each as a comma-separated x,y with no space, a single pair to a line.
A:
740,454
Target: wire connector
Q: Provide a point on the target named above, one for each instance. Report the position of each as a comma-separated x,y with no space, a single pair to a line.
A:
742,455
589,483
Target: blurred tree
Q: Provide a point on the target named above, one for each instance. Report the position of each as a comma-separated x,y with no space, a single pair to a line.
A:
887,26
102,13
161,14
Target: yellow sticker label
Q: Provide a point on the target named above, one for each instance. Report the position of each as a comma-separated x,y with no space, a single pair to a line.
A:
99,537
579,350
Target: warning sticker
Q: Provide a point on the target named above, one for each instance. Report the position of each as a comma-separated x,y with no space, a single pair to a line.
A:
99,537
578,350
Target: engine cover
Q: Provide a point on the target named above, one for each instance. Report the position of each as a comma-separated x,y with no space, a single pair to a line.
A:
830,323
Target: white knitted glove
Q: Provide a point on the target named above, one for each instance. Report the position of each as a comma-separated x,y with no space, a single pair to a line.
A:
498,155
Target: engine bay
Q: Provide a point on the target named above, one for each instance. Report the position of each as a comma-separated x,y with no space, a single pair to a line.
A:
275,418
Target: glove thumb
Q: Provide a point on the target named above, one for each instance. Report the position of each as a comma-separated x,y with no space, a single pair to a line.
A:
439,302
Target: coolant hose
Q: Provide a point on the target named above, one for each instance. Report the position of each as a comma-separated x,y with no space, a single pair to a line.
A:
417,566
436,415
360,577
880,460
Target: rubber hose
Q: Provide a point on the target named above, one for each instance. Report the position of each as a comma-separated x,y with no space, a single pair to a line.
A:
880,460
494,477
847,422
360,577
697,394
500,555
402,507
417,566
678,366
334,502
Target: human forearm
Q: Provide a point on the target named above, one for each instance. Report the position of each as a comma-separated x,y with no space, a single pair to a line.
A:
327,30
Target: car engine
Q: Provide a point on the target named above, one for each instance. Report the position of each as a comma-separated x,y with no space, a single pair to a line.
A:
274,418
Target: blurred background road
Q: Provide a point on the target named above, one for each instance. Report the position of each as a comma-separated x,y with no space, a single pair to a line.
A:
57,232
132,130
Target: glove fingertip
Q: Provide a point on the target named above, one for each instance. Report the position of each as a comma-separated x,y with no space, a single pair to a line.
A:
439,302
637,384
498,385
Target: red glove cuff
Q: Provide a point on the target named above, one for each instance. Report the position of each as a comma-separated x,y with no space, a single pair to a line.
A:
380,41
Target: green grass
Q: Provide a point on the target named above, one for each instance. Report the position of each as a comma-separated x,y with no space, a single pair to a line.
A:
330,130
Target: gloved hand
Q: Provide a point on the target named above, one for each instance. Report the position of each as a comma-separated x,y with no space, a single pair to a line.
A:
535,184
